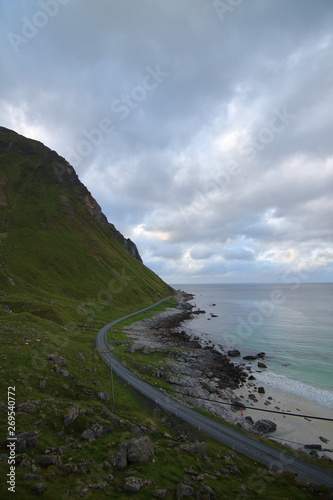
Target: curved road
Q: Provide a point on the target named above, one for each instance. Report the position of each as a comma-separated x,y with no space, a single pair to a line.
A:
274,459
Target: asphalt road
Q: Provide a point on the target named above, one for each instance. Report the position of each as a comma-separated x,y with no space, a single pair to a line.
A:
259,452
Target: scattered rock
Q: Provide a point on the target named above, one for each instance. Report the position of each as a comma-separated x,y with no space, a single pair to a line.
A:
250,358
81,357
265,426
249,420
251,377
42,384
261,355
261,390
30,477
253,398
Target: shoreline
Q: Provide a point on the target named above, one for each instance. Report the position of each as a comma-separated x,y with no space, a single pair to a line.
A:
203,377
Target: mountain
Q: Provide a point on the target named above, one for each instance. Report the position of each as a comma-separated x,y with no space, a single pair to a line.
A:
54,239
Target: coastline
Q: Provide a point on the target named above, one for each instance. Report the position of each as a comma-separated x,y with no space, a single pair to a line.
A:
204,378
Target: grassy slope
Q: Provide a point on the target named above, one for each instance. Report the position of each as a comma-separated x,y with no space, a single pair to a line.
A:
63,275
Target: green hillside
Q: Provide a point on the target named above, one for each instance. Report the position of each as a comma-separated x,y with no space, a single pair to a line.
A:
55,241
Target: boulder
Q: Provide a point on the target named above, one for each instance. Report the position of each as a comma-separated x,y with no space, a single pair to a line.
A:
250,358
200,448
133,484
31,441
265,426
139,450
234,353
96,430
237,405
27,407
48,460
206,493
39,488
261,355
71,415
312,447
261,390
30,477
88,435
184,491
208,387
57,360
251,377
59,371
261,365
104,396
135,450
159,493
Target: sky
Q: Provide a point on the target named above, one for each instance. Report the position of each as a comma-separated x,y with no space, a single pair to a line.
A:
203,128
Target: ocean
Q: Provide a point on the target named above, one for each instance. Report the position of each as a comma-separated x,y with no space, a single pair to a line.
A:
291,323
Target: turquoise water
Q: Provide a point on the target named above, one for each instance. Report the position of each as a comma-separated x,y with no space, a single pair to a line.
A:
292,324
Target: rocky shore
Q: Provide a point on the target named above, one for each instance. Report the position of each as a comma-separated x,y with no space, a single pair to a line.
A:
205,377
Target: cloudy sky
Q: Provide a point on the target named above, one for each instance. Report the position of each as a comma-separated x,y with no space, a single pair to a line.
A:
202,127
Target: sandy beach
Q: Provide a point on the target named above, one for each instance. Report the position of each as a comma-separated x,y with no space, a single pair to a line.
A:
196,377
291,430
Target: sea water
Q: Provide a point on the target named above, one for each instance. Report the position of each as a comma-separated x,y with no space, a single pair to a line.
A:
291,323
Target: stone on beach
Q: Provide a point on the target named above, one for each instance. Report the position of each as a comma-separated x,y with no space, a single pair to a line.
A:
265,426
